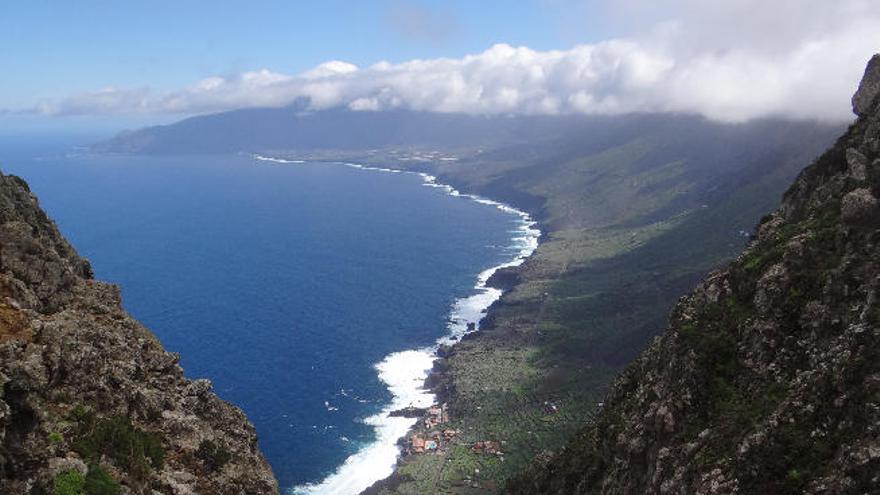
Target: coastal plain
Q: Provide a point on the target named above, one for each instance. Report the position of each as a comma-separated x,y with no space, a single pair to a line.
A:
628,225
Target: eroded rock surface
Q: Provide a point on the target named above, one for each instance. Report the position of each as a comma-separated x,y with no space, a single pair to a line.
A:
87,393
869,88
768,378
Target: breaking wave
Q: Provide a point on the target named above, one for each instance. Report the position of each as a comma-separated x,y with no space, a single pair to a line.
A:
404,372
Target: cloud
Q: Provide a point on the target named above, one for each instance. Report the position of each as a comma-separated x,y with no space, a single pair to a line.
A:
730,60
103,101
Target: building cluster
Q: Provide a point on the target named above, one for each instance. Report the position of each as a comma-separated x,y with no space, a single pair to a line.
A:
430,438
489,447
429,442
436,415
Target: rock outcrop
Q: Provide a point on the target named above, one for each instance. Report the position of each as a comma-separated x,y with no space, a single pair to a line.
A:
90,402
869,88
768,378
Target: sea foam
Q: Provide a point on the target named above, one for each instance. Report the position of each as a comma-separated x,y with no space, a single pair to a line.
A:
404,373
276,160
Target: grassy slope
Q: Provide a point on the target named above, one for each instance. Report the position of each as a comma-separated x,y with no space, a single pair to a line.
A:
633,220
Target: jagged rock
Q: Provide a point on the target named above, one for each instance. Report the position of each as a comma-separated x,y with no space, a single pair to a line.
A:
58,465
504,279
769,373
444,351
858,164
860,207
68,351
869,87
771,286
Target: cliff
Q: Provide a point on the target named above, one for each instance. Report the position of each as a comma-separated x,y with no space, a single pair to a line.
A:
768,377
634,215
90,402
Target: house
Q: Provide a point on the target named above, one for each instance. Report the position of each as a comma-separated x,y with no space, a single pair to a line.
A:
417,444
434,416
486,447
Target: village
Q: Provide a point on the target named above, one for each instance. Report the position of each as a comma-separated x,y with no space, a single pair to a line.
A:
430,437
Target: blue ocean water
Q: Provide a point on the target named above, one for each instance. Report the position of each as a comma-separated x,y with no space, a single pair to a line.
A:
284,284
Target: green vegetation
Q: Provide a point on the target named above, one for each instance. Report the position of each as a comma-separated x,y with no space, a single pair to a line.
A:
96,482
712,334
55,437
212,455
632,221
68,483
99,482
79,413
131,448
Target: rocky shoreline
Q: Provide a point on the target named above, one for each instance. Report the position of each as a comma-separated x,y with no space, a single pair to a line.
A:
596,290
440,383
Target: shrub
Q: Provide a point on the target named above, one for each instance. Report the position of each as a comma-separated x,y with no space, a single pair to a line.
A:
131,448
80,413
212,455
55,437
68,483
98,482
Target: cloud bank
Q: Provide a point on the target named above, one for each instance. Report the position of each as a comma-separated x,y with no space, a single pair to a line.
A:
730,60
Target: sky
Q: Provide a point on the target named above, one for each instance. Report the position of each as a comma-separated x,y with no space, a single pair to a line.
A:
114,64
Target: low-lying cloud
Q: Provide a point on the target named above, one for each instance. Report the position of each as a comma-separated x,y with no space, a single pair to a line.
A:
807,66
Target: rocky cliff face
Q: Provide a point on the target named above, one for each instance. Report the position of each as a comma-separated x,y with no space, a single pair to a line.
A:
768,378
90,402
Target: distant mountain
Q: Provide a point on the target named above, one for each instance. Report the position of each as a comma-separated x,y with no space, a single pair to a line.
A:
635,209
522,137
293,128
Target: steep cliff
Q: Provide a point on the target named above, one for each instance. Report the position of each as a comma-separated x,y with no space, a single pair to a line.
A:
768,378
90,402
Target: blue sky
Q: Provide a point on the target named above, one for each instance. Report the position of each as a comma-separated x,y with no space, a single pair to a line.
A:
111,64
52,49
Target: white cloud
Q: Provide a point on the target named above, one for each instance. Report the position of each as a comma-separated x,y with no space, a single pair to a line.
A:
330,69
729,60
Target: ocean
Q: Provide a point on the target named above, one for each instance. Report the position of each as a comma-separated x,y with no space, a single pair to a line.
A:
310,294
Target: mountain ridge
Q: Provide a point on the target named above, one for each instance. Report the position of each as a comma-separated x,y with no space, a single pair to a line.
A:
629,225
767,380
295,129
678,183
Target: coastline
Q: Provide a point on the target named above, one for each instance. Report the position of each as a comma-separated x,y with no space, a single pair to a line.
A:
408,374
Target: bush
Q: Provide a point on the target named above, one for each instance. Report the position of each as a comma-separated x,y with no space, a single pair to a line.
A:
131,448
98,482
212,455
55,437
68,483
80,413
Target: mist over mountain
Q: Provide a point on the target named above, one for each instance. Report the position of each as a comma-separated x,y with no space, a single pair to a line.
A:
635,209
294,128
463,248
766,379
